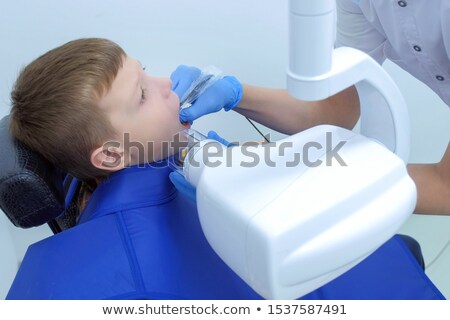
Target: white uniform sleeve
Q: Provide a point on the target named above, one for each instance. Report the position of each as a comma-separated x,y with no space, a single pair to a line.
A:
354,30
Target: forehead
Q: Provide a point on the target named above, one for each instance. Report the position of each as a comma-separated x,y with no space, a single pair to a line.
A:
123,87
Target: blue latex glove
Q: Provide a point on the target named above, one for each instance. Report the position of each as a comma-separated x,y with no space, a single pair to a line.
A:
226,93
181,183
214,136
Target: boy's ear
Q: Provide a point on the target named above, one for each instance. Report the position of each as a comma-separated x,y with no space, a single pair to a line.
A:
110,158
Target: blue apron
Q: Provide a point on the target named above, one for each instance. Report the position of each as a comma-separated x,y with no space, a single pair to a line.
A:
138,238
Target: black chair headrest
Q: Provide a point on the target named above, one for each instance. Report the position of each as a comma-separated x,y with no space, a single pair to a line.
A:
31,189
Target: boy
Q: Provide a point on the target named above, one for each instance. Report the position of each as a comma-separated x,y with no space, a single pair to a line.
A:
137,238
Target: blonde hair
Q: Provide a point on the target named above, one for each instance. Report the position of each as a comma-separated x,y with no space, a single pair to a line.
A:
55,103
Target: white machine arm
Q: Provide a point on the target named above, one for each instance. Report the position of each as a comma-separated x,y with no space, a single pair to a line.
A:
290,216
317,71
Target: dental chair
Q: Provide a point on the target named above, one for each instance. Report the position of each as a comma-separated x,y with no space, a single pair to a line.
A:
33,192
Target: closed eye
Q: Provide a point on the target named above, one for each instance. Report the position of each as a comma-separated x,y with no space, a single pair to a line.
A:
143,95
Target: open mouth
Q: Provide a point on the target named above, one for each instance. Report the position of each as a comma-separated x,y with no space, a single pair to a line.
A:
187,125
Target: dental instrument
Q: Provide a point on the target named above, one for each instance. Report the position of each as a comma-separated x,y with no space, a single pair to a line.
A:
207,77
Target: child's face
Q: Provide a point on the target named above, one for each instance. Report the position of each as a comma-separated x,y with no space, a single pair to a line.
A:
144,111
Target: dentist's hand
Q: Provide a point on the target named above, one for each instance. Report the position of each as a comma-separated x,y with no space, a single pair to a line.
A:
225,93
214,136
182,185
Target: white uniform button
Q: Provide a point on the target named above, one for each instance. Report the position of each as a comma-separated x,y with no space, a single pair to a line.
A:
417,48
402,4
440,78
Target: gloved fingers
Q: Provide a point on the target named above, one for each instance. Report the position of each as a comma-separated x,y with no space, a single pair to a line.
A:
213,135
190,114
183,186
220,93
212,100
209,102
182,78
224,93
236,92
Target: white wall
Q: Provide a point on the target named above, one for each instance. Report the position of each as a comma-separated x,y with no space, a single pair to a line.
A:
8,258
247,39
244,38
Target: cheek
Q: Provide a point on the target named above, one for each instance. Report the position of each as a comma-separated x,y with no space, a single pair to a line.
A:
162,130
171,112
173,122
166,119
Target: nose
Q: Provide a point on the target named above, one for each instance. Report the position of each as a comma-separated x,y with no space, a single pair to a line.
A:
166,85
